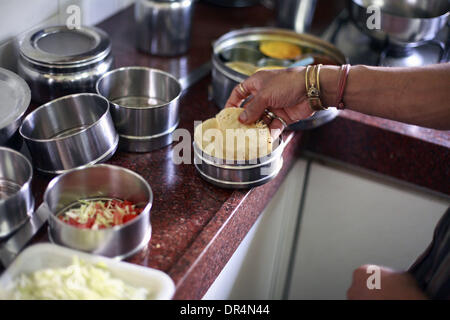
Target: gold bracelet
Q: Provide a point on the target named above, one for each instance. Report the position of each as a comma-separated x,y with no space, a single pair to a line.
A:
312,82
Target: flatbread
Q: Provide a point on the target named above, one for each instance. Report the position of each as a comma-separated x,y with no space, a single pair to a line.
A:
237,141
199,135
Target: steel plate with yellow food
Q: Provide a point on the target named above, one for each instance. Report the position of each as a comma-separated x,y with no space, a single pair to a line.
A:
230,154
226,76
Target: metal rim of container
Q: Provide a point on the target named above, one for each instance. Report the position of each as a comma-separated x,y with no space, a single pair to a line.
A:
55,180
165,3
20,225
26,184
155,136
125,255
48,104
239,164
104,157
29,165
263,33
246,184
23,85
29,51
441,15
97,85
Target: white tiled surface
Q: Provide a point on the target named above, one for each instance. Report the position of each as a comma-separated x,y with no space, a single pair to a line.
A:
349,220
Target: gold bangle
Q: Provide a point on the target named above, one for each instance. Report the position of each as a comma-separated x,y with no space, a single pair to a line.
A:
308,70
317,76
312,81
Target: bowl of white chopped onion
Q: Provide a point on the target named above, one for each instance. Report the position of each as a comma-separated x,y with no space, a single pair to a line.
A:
50,272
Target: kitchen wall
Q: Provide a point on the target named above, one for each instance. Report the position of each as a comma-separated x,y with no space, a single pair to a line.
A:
18,16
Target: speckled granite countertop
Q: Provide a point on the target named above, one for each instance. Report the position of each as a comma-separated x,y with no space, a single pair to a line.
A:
196,226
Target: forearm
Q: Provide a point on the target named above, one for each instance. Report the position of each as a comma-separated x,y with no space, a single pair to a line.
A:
418,96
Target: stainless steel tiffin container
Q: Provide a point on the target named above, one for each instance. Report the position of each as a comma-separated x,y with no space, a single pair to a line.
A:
70,132
100,181
144,106
16,199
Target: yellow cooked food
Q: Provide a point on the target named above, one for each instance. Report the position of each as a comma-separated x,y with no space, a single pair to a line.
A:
280,49
242,67
226,138
270,68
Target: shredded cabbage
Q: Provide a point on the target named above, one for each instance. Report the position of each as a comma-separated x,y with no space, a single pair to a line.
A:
79,281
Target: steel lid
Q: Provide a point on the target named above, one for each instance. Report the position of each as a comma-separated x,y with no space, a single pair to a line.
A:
15,96
61,46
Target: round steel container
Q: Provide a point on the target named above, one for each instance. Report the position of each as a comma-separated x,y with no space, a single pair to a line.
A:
70,132
224,79
16,200
14,101
234,3
106,182
239,174
403,22
164,26
57,61
144,106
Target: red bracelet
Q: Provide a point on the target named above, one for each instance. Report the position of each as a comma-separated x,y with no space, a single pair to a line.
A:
343,75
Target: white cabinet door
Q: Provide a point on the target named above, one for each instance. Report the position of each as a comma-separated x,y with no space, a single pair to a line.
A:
258,268
349,220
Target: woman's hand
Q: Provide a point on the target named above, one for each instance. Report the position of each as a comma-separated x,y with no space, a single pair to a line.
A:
392,285
281,91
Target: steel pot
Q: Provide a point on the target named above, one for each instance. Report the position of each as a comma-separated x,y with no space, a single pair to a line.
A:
403,22
70,132
57,61
100,181
16,199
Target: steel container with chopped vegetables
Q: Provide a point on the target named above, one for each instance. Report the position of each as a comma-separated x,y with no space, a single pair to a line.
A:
102,209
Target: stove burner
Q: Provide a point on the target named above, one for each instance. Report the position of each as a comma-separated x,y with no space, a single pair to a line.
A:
397,55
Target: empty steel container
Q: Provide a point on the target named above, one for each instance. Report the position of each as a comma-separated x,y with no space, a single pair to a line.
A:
144,106
70,132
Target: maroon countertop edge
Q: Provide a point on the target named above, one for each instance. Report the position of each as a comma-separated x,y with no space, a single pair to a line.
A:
416,155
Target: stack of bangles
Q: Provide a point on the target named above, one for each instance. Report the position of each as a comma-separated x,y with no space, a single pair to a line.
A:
312,82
